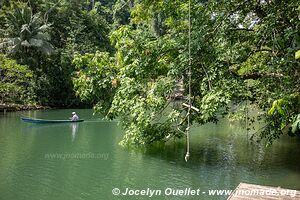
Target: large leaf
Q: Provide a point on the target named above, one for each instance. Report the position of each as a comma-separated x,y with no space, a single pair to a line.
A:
296,125
47,48
42,36
35,42
25,43
297,54
44,27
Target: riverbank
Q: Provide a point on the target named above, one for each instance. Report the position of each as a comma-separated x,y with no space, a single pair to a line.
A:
18,107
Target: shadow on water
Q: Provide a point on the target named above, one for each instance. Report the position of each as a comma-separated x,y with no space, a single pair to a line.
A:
225,162
230,150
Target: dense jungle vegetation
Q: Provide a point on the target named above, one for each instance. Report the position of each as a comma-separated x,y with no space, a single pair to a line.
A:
125,58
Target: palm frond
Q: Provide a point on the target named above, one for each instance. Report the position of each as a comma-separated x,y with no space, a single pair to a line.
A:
25,43
42,36
44,28
27,30
5,44
47,48
14,49
36,42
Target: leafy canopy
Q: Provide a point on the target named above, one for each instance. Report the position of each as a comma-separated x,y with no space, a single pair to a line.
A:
15,81
242,51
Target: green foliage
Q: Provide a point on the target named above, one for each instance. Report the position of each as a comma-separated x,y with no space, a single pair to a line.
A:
45,35
77,27
93,81
240,51
296,125
26,32
15,81
297,54
121,12
136,102
257,62
125,57
284,116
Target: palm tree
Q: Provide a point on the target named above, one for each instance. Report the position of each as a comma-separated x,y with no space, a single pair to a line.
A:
26,33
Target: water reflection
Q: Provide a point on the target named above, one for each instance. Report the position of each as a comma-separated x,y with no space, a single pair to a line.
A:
40,128
74,127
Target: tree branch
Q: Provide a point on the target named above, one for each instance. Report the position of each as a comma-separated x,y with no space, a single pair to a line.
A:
240,29
257,75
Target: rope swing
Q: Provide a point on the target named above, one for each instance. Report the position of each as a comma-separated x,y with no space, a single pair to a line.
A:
187,155
179,93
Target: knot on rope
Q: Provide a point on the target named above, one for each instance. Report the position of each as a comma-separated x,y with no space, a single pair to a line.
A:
187,156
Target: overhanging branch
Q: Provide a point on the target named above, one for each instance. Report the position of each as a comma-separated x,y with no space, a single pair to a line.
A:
257,75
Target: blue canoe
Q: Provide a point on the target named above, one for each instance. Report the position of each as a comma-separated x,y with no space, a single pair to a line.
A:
32,120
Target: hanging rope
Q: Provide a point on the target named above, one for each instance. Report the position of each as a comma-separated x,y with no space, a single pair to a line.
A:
187,155
247,112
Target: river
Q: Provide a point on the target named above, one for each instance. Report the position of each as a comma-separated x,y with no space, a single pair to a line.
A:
84,161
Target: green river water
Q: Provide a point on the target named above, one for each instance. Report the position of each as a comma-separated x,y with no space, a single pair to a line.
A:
84,161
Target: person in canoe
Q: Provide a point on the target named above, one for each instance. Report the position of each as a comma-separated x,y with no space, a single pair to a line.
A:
74,116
